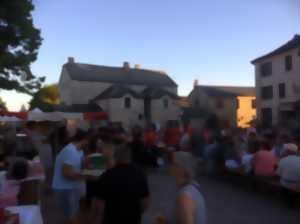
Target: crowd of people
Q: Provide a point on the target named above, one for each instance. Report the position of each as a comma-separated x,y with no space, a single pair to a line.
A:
120,193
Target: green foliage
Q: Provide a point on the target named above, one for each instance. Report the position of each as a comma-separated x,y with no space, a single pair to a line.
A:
2,105
19,42
45,98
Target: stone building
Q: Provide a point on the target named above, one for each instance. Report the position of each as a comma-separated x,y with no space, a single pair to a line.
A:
129,95
234,106
277,79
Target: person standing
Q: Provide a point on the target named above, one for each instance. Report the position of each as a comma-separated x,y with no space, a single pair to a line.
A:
68,180
123,190
190,204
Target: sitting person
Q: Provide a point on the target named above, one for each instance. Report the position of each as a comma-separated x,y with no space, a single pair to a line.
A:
264,161
253,147
289,167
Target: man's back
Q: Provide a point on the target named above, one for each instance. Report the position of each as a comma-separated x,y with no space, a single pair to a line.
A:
123,188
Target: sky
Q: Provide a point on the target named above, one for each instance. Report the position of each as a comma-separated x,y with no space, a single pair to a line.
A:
209,40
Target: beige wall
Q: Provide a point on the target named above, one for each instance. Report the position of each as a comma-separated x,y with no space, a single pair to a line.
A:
279,75
245,112
161,114
228,112
128,116
75,92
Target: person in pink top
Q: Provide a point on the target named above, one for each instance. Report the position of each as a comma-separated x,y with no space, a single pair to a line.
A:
264,162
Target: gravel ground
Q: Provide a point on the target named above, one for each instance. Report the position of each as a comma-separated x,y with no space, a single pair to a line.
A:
226,202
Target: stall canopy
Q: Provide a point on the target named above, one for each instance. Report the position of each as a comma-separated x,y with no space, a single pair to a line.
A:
37,115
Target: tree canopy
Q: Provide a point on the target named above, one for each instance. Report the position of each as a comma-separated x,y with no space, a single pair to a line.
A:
46,98
19,42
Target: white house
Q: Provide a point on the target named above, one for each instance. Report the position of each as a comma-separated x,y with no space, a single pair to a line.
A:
277,76
129,95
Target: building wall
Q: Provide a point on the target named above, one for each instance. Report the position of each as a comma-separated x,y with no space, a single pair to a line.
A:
128,116
245,112
76,92
64,86
226,113
161,114
279,75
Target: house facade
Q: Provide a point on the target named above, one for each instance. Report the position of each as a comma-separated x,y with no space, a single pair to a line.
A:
234,106
277,77
129,95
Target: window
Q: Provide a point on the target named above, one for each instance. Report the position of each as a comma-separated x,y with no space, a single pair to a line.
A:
267,116
266,69
219,104
267,92
166,103
288,62
253,103
281,88
127,102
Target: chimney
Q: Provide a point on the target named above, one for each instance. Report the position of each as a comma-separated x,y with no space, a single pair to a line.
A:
196,83
71,60
137,66
126,65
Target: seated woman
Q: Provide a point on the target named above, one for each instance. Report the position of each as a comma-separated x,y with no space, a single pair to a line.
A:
190,204
264,161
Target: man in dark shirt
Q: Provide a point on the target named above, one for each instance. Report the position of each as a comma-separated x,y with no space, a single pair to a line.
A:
123,190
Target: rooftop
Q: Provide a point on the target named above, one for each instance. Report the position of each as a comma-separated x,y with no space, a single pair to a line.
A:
117,75
293,43
226,91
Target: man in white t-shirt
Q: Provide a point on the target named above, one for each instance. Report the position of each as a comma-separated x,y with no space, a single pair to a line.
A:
289,167
68,180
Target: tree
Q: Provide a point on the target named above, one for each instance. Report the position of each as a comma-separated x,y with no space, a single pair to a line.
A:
46,98
2,105
19,42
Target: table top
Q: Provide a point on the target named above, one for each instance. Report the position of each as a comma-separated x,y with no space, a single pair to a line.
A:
29,214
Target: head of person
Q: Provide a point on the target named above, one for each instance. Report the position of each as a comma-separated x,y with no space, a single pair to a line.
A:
81,139
182,167
252,136
95,144
137,133
282,139
265,145
122,154
290,149
253,147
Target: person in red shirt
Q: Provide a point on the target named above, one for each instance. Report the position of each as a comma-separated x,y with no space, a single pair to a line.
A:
172,135
151,136
264,162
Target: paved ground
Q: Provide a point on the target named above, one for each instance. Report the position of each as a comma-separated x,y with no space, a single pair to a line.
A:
227,202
